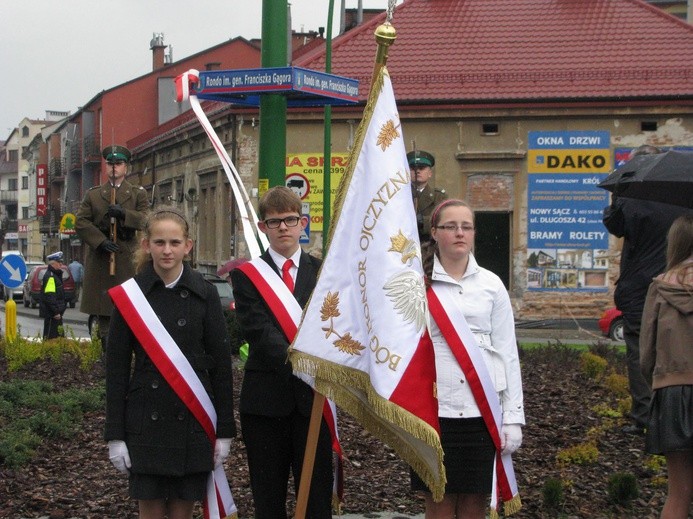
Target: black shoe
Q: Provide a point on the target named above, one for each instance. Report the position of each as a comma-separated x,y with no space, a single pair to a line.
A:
633,429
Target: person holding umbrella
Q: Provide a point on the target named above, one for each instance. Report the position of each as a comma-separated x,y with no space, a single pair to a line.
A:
643,225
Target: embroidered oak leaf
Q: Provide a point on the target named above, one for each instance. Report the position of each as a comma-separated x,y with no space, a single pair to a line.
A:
330,306
407,293
388,133
348,345
406,247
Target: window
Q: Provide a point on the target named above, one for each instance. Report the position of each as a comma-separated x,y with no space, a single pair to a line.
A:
25,213
25,182
648,126
25,131
490,128
13,155
12,184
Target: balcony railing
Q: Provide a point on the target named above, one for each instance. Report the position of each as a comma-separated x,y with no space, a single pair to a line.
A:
8,196
57,169
50,222
92,148
75,156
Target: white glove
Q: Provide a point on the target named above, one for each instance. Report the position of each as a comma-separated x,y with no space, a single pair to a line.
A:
119,456
222,448
511,438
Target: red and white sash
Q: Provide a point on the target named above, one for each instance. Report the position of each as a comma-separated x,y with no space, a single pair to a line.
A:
461,340
288,313
177,371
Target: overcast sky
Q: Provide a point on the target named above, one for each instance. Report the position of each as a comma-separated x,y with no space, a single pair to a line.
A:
58,54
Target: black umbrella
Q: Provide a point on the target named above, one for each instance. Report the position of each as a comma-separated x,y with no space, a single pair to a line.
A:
664,177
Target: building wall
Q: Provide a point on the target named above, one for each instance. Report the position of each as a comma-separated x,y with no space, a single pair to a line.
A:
490,170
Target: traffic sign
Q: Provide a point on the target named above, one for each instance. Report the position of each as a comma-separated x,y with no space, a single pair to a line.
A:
12,270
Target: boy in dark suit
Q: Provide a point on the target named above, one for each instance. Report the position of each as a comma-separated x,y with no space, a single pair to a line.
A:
275,405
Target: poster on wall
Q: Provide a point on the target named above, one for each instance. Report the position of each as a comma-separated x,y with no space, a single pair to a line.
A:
305,176
567,244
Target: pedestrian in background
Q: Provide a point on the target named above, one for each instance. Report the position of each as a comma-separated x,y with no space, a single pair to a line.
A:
77,271
52,304
156,437
93,225
643,225
471,415
666,357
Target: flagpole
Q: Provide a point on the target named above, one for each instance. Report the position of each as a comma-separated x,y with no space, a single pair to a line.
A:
385,36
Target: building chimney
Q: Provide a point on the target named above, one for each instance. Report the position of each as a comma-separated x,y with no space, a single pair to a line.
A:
157,47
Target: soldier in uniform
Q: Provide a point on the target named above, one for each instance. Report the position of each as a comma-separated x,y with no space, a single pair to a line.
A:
425,197
93,226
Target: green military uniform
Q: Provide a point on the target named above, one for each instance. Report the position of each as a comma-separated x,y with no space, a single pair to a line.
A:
93,227
424,202
427,198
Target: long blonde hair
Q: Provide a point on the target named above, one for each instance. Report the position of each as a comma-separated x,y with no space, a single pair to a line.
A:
164,212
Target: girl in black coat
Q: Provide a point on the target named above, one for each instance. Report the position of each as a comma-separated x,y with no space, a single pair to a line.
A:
151,433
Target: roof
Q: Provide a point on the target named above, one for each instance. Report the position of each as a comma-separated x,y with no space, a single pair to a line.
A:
522,50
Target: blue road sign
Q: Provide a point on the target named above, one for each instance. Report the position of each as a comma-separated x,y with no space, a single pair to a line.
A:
12,270
302,87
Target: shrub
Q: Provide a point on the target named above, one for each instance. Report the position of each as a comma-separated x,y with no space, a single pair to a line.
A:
21,351
623,488
552,493
593,365
605,411
581,454
617,384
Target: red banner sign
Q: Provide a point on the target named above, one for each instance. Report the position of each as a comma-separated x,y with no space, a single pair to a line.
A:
41,189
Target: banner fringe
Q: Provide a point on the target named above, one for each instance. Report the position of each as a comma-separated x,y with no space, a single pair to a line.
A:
331,379
513,506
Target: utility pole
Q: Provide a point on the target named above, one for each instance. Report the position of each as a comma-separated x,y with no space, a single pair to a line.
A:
274,53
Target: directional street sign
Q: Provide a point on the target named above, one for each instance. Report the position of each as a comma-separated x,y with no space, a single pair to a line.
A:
12,271
302,87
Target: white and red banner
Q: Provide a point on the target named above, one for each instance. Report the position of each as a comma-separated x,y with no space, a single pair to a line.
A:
363,336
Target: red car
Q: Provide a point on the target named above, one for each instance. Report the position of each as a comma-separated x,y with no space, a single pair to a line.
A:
32,286
611,324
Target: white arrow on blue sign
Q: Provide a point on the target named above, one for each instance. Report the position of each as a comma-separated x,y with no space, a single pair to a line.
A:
12,270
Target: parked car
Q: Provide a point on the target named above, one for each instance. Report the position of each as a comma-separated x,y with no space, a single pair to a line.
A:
223,289
611,323
32,286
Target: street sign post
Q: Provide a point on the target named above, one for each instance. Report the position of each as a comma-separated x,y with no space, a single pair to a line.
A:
12,270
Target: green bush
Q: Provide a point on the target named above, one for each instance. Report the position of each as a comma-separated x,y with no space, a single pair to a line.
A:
593,365
552,493
234,331
623,488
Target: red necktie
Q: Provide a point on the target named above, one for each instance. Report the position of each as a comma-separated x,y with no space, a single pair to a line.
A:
286,275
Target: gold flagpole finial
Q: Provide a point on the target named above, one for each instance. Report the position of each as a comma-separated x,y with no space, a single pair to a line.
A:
385,36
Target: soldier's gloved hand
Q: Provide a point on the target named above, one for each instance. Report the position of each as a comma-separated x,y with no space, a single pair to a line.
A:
108,246
116,211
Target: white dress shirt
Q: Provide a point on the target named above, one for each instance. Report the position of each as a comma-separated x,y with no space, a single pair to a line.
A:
484,301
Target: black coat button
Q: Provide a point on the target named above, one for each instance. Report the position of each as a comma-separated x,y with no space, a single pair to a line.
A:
184,293
155,416
181,322
155,384
181,416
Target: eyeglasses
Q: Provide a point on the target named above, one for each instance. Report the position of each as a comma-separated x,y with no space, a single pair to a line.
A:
452,227
289,221
115,162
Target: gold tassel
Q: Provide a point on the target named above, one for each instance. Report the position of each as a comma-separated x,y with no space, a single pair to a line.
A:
375,414
513,506
493,513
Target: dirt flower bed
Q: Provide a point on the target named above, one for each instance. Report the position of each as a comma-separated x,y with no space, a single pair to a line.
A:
74,479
